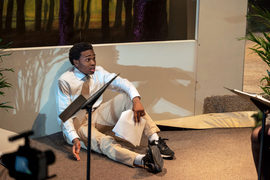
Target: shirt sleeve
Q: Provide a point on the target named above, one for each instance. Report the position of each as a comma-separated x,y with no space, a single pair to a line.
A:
121,85
63,101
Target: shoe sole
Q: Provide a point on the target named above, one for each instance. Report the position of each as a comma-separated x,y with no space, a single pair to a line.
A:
158,160
166,156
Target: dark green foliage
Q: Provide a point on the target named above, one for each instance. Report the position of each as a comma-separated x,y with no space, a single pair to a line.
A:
3,79
258,119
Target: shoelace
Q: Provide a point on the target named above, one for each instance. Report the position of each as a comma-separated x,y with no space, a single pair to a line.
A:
162,141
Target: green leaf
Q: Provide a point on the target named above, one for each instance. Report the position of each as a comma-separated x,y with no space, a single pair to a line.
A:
2,105
3,79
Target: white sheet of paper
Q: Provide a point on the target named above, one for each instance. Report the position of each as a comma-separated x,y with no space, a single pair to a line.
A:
126,128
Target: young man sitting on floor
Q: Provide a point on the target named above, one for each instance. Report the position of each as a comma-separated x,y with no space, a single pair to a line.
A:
85,78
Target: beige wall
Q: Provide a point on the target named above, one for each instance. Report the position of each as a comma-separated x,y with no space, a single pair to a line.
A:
173,77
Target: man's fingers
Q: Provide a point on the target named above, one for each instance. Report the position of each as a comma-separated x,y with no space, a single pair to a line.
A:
76,151
76,155
142,113
135,117
138,117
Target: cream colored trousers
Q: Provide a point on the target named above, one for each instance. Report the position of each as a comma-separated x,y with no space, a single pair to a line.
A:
103,119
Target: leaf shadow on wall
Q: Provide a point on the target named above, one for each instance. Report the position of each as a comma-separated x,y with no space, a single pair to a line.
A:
33,69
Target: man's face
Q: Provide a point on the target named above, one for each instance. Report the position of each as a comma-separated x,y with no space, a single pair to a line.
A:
87,62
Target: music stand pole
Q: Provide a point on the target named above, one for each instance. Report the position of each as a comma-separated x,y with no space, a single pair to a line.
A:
262,142
89,110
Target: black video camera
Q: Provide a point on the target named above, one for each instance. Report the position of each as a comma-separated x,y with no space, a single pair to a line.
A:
28,163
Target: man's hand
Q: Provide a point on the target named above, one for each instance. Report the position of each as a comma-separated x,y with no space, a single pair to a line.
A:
137,109
76,148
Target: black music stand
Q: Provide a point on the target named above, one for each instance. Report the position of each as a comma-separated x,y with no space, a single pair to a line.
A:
82,103
264,105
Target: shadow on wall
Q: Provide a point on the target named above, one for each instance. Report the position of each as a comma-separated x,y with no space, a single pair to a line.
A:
46,121
166,92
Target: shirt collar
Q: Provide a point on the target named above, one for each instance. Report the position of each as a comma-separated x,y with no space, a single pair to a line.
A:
80,75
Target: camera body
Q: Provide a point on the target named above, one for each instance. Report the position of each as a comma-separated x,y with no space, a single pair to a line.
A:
28,163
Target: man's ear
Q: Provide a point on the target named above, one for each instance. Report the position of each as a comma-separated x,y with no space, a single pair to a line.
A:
75,62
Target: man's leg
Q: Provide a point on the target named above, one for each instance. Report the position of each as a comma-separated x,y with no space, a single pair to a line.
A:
106,145
150,126
151,131
107,115
109,112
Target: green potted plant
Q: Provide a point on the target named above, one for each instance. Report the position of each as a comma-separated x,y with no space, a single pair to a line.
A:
3,79
262,49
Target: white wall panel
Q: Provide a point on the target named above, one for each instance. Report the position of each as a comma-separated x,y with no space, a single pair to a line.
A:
220,54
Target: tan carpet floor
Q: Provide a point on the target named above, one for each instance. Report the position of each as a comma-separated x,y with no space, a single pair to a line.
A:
212,154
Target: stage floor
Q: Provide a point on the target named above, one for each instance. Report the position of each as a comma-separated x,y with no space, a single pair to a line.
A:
210,154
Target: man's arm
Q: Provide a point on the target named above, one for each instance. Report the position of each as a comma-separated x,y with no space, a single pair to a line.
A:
63,101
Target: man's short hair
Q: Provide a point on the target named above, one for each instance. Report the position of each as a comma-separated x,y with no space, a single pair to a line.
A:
75,51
